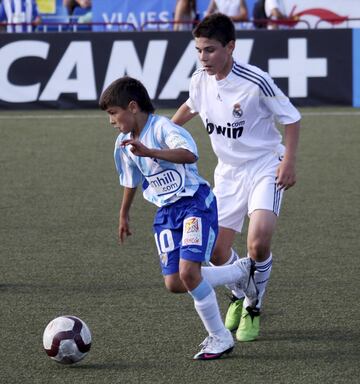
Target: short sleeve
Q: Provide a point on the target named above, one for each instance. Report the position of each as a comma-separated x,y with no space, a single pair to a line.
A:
279,104
176,137
129,174
194,91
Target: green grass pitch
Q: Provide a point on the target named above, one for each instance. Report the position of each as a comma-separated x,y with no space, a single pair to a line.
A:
59,201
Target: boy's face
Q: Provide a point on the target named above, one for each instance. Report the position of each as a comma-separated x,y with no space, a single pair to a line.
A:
216,59
122,119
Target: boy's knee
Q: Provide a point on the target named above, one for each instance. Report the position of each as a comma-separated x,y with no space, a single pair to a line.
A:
258,250
174,284
220,254
186,276
189,278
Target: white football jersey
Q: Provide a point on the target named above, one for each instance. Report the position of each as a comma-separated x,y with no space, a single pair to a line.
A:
163,182
239,112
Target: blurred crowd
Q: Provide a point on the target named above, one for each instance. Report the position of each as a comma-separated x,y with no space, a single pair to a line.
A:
15,12
264,11
185,15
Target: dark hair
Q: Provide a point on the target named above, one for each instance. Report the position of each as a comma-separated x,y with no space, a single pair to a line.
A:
216,26
121,91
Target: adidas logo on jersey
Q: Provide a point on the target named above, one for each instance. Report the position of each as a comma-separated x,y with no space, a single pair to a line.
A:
232,131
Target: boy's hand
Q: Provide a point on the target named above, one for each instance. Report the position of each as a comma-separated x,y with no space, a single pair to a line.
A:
124,229
137,147
286,176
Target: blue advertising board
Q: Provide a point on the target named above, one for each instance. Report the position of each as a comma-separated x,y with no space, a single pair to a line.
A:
139,13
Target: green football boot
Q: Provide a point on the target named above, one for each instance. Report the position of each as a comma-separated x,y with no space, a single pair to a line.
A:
233,315
249,327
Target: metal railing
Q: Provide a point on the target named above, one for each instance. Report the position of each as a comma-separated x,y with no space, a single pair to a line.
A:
337,20
248,24
70,26
189,24
289,23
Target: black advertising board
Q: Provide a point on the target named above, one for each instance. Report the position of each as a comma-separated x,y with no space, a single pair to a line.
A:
70,70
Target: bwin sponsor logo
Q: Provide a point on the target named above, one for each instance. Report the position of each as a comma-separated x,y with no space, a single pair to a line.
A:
230,131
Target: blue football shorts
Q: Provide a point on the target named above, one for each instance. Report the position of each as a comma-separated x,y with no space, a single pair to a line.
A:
186,229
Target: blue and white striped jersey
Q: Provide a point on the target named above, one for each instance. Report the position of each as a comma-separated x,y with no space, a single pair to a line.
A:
18,11
163,182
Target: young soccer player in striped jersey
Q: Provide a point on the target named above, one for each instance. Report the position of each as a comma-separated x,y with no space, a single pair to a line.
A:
238,104
154,152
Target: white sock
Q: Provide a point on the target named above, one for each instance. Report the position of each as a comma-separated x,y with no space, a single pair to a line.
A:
237,292
221,275
208,309
233,257
261,276
232,287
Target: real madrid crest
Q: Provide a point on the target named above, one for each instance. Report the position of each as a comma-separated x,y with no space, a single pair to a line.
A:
237,111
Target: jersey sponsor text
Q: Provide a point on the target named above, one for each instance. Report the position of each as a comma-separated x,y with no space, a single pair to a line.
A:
232,130
165,182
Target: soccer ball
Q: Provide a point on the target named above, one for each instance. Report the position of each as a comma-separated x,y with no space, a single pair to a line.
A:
67,339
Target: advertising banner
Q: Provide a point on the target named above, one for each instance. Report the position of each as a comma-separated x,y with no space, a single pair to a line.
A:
314,13
324,13
356,67
139,13
46,6
64,70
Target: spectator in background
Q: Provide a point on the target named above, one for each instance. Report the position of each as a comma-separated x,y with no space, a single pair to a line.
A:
274,10
235,9
185,15
85,14
19,11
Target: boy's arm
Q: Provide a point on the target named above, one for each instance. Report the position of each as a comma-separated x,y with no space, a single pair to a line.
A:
286,176
176,155
243,14
124,228
211,8
183,115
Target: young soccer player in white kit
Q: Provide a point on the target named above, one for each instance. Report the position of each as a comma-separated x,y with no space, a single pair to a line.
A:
238,104
153,152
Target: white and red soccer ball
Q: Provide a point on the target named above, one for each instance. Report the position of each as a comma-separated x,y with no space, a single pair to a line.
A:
67,339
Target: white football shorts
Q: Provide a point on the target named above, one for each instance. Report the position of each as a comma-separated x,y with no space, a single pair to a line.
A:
242,190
